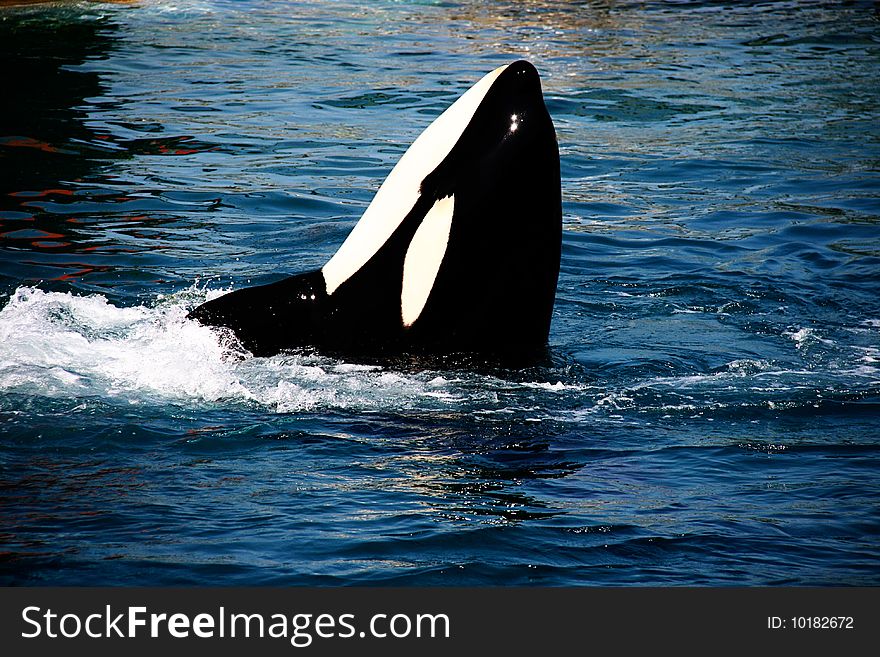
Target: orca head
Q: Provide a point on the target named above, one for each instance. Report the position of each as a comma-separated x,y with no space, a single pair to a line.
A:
458,252
465,231
510,121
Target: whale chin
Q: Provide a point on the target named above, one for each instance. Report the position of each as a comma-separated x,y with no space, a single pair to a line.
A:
456,258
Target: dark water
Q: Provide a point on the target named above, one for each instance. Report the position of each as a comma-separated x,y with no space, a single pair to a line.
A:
712,411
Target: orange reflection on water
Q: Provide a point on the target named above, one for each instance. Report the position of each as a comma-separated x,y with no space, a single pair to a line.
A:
28,142
50,245
83,270
42,193
29,234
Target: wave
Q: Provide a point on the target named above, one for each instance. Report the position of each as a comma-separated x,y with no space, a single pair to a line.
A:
62,345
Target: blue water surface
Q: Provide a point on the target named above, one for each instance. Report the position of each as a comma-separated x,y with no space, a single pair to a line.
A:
711,411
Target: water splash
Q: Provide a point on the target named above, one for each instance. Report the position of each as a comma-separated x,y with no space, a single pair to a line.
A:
62,345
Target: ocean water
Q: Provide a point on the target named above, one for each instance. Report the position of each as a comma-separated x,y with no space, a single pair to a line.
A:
710,414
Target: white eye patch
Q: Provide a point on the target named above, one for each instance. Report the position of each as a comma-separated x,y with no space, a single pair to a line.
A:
423,259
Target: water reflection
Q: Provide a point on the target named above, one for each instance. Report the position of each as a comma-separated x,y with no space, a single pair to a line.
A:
63,213
45,146
472,473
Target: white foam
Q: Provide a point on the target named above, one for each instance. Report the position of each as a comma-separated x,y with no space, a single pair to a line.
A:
63,345
869,354
806,336
559,386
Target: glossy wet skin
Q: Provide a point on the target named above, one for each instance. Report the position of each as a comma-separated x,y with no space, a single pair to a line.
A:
493,295
498,280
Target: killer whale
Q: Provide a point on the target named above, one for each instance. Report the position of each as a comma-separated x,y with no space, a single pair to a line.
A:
458,252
